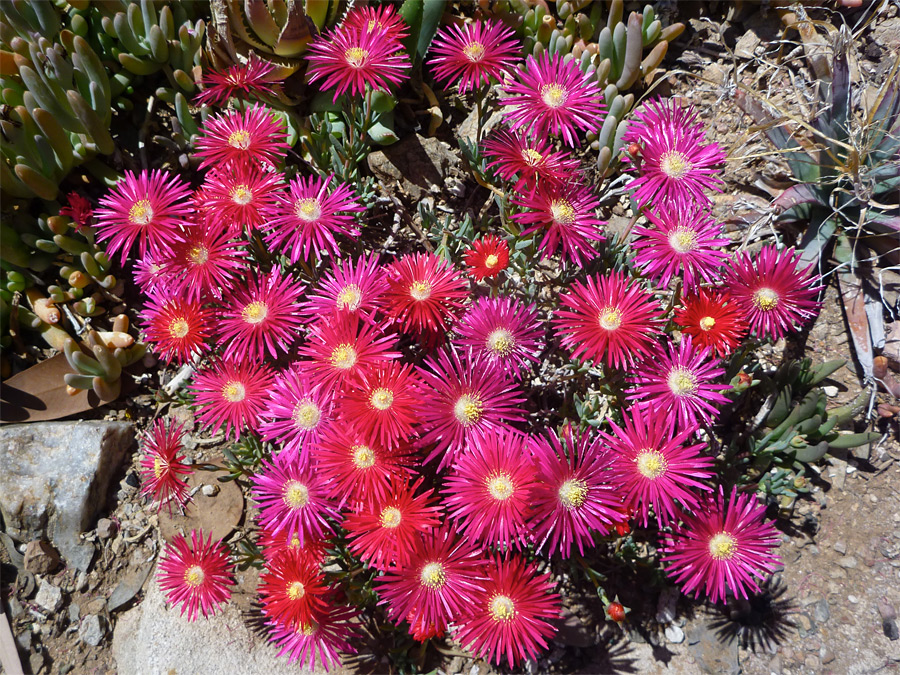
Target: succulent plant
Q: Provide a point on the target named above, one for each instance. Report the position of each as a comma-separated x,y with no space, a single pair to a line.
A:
99,365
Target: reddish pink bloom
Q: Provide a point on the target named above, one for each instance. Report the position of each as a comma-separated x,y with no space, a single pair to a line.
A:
359,470
490,493
196,576
423,630
461,398
252,79
504,331
356,60
441,581
177,329
686,241
510,616
553,96
678,381
204,262
238,197
608,319
474,54
252,137
79,210
150,208
351,287
344,349
305,220
424,294
567,215
775,295
232,395
297,412
381,403
291,589
383,18
655,466
293,498
488,257
529,160
574,498
676,165
713,320
273,544
162,467
385,532
321,639
721,549
261,316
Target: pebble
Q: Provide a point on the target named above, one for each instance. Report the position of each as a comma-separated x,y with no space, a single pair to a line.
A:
847,562
674,634
812,662
826,655
95,606
49,596
891,632
665,608
830,390
41,557
91,630
853,599
210,490
820,611
106,528
840,547
804,624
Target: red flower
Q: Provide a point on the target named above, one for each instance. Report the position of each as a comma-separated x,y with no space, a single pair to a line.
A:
713,320
79,210
237,197
273,543
291,589
487,257
381,403
383,18
177,329
162,466
243,80
197,576
424,293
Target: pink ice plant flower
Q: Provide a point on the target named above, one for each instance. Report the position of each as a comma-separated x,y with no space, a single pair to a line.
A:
254,136
473,54
333,631
676,164
231,394
685,241
680,381
196,576
722,549
527,160
238,197
351,287
205,261
552,95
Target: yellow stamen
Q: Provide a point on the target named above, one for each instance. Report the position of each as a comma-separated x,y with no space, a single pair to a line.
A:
501,342
308,209
381,398
295,590
573,493
683,239
722,546
474,51
363,457
531,156
349,298
707,323
682,382
160,466
198,254
306,415
501,487
179,328
468,409
491,261
141,213
765,299
241,195
234,392
420,290
356,57
255,312
502,608
295,494
194,576
391,517
675,164
610,318
562,212
344,357
433,576
651,463
554,95
239,139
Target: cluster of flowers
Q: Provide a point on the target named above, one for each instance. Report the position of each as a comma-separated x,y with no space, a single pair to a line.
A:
317,371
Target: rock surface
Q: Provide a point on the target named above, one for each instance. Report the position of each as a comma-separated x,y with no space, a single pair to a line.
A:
41,557
55,479
416,163
152,638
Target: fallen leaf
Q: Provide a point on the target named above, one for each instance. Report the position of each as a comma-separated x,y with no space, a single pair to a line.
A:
39,394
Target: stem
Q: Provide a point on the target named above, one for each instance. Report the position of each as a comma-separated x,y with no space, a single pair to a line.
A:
480,100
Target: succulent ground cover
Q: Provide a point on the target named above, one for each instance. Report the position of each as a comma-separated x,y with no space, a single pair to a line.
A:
448,423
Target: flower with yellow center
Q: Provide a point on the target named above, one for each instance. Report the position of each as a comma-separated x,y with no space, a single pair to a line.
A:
198,254
308,209
344,357
707,323
765,299
234,392
239,139
501,342
610,318
502,608
381,398
491,261
682,382
651,463
562,212
554,95
349,298
675,164
468,409
532,157
722,546
241,195
295,494
255,312
179,328
356,57
160,466
500,486
295,590
433,576
391,517
363,457
573,493
306,415
474,51
194,576
141,212
420,290
683,239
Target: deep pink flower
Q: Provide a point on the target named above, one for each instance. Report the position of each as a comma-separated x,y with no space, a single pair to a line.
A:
352,59
321,639
237,198
574,498
196,576
686,241
510,616
529,160
232,395
491,490
177,329
654,465
722,550
79,210
676,164
162,467
553,96
440,582
252,79
488,257
350,287
474,54
204,262
305,220
608,319
679,381
567,215
252,137
460,398
383,18
775,295
260,316
294,498
504,331
297,412
150,208
381,403
151,276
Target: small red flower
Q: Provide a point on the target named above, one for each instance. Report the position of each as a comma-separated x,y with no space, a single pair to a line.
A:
243,80
713,320
616,611
196,576
487,257
79,210
177,329
291,589
381,403
162,467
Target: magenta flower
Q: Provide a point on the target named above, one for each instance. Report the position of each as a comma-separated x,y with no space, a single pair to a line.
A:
254,136
242,80
553,96
490,493
510,616
686,241
237,197
474,54
305,220
567,215
232,395
775,296
350,288
654,466
528,160
503,331
461,397
196,576
722,550
151,276
678,380
163,467
204,262
383,18
608,319
261,316
574,498
321,639
676,165
293,498
151,208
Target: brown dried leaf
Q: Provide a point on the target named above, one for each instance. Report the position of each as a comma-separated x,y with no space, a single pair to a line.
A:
39,394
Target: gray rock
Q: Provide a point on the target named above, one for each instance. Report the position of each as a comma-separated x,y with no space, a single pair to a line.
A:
150,638
41,557
674,634
848,562
820,611
49,596
106,528
55,479
665,607
889,627
91,630
417,163
74,613
711,654
840,547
